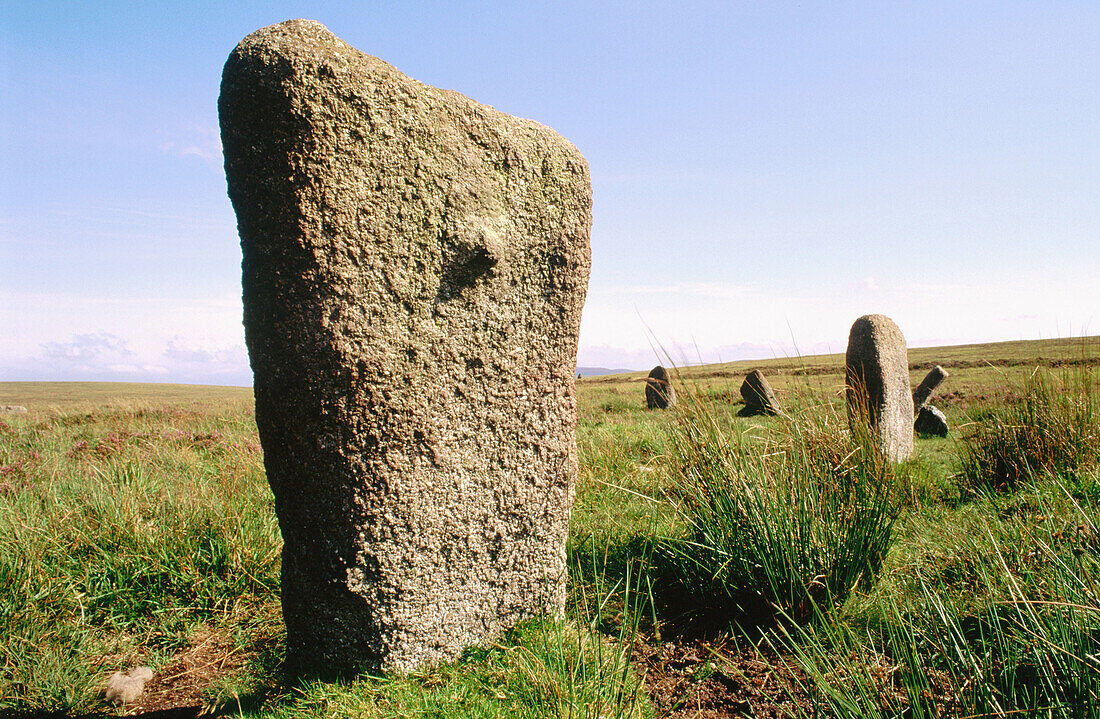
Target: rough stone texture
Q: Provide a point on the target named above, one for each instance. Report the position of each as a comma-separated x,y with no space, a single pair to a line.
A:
877,369
758,395
930,421
415,265
16,408
659,393
127,687
927,386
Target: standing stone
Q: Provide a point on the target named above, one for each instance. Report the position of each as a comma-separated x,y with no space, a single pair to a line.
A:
415,265
659,393
930,421
927,386
758,395
877,369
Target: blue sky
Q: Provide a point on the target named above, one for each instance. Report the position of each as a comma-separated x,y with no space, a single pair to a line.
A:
763,173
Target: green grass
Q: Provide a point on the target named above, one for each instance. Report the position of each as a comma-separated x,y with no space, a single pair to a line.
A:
1022,638
777,522
120,532
133,518
539,669
1052,426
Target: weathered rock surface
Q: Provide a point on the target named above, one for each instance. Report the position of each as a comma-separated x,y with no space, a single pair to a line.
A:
758,395
931,421
415,265
659,393
14,408
877,370
127,687
928,385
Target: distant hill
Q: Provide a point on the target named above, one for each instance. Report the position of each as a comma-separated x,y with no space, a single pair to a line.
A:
988,356
594,371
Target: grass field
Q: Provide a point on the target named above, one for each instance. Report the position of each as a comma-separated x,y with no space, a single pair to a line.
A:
721,566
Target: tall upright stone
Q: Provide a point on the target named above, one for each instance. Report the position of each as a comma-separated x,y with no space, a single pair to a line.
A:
659,393
877,370
415,265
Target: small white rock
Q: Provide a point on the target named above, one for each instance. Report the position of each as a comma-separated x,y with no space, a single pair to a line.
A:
126,688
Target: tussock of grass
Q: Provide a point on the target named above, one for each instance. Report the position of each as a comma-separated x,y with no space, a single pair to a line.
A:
1031,649
785,521
1053,427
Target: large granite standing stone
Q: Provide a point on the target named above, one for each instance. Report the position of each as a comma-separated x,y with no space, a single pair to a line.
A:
415,265
757,395
879,398
659,393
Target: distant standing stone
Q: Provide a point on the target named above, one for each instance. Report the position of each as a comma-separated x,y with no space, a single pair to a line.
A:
877,372
659,393
415,265
758,395
927,386
930,421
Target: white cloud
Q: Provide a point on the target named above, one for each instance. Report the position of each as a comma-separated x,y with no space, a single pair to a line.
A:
722,322
59,336
103,356
711,290
868,283
51,335
203,356
82,351
198,141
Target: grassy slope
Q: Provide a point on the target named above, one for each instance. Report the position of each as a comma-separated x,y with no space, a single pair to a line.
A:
975,366
169,479
70,396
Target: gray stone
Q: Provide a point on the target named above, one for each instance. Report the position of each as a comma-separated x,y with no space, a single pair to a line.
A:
758,395
415,265
877,374
927,386
14,408
659,393
930,421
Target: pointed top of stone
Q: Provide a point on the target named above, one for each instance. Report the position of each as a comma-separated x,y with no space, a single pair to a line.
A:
758,395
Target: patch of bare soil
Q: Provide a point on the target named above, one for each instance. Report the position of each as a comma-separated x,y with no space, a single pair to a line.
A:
176,689
705,679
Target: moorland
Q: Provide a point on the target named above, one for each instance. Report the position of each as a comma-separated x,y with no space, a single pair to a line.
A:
721,566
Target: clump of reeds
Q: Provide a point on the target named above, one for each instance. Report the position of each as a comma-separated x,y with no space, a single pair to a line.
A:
1053,426
780,522
1032,653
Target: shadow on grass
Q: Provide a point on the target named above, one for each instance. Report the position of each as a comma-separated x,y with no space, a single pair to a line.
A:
668,608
